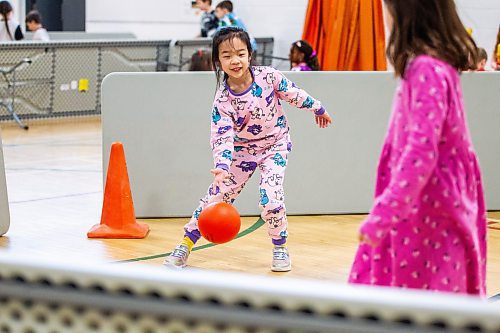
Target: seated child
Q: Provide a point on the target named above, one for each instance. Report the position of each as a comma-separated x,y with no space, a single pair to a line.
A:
34,24
303,57
201,60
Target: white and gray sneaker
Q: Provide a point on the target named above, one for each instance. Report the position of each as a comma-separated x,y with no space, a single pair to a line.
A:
178,258
281,260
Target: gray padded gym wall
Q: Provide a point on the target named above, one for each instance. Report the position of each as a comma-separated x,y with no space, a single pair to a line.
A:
4,202
163,119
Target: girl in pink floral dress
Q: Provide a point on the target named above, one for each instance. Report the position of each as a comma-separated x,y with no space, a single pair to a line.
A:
427,226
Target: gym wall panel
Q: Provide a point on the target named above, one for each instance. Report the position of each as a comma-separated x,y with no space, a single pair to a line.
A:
163,119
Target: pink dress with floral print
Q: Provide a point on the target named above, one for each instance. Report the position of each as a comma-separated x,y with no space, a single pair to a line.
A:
428,222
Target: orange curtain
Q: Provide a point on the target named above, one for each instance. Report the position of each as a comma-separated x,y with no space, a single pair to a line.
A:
346,34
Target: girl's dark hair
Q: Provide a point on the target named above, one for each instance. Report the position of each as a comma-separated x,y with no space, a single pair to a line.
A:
310,57
429,27
226,4
5,9
482,54
201,60
227,34
34,16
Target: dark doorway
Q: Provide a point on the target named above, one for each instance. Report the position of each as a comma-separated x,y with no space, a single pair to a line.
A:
73,15
60,15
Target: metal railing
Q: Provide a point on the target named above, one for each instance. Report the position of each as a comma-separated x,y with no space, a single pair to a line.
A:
182,50
64,77
46,296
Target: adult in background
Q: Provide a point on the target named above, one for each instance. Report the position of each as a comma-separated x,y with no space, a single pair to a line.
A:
9,29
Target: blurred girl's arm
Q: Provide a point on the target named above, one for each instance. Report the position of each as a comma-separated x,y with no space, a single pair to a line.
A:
428,108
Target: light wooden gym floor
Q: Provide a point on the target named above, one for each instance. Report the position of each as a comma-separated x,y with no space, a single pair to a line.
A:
54,179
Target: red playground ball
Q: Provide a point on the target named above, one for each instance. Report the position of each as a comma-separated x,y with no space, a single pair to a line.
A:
219,223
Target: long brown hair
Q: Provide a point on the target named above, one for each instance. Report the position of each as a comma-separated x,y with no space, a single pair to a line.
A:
429,27
5,9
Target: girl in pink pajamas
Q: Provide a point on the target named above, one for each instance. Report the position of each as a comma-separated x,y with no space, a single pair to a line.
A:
427,227
249,132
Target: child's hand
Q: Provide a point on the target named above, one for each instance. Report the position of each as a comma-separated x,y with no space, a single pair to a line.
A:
324,120
219,176
363,239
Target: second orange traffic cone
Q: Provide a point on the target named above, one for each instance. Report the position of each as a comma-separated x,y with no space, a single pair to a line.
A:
118,216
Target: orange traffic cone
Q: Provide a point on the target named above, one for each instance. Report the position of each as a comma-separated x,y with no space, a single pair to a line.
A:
118,217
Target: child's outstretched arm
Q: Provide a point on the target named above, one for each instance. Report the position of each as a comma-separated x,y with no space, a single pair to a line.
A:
222,142
287,90
428,107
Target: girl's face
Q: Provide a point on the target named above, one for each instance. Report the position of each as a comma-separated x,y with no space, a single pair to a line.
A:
296,56
234,58
221,12
202,5
32,26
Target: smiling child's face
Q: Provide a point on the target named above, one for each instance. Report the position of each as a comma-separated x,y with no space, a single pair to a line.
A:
234,58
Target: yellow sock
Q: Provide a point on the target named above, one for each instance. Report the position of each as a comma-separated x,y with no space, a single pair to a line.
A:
188,242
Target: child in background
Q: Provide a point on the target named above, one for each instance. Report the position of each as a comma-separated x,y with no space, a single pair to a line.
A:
209,21
201,60
303,57
482,59
34,24
224,12
427,226
249,132
10,30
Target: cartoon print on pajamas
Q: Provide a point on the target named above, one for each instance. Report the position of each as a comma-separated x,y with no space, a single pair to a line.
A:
229,181
224,96
272,114
257,113
283,85
224,129
247,166
280,194
256,90
281,122
227,154
269,78
279,160
252,149
308,103
250,131
275,222
274,180
238,104
215,115
264,199
255,129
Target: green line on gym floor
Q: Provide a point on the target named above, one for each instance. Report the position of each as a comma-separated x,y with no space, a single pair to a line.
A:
245,232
